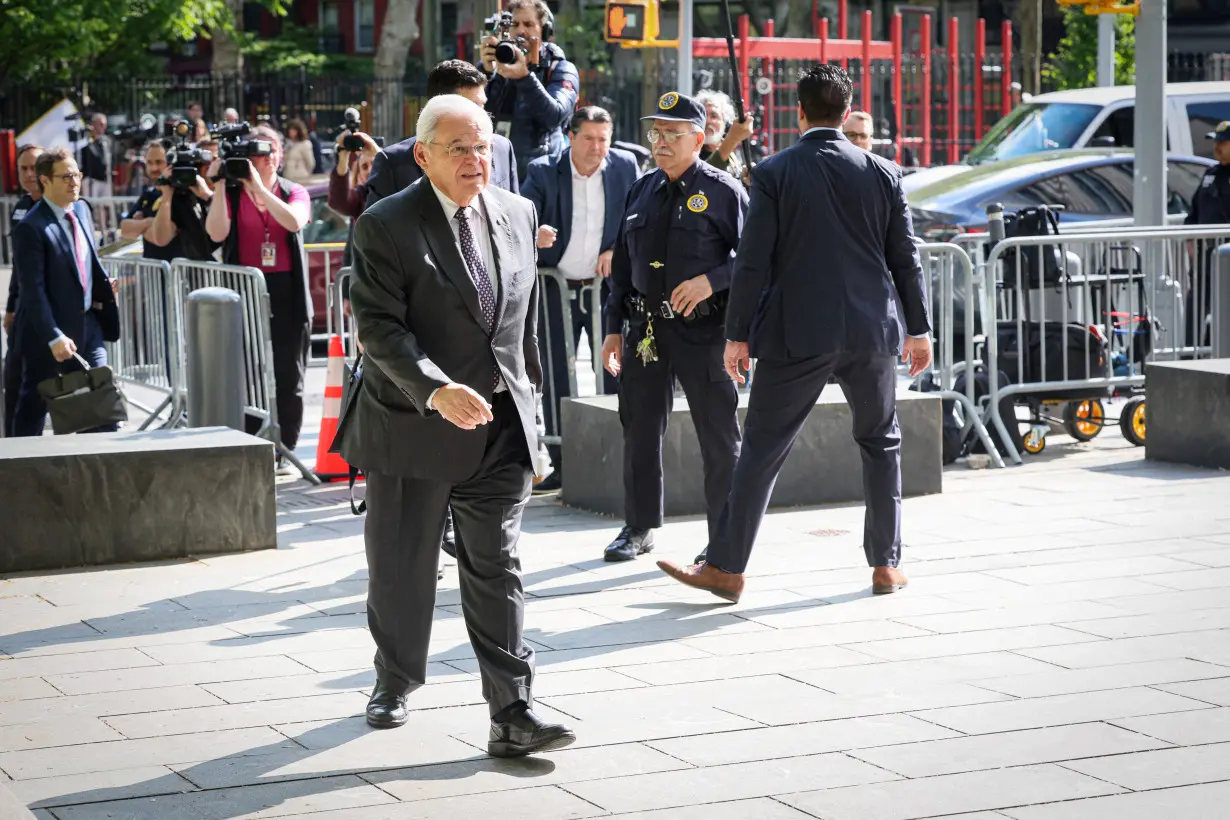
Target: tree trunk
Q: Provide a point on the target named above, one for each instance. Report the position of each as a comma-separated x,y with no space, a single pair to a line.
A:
227,65
399,31
1029,21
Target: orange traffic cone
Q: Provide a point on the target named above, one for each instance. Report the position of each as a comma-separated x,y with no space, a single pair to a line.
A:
331,466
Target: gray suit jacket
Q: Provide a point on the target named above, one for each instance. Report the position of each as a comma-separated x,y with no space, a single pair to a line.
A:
421,326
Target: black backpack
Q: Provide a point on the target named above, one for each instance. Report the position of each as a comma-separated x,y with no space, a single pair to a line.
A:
1039,265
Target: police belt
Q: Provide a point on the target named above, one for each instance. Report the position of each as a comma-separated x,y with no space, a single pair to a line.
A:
641,306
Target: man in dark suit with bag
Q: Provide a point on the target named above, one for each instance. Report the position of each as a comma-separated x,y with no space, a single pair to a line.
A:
445,295
67,307
826,276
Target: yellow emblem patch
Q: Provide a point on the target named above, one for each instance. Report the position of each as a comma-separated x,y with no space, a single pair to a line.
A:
697,204
1222,127
655,264
668,101
157,205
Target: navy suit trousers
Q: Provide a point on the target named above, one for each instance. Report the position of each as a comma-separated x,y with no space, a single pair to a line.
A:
783,393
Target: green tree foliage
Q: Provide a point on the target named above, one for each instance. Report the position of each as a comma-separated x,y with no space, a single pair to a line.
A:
1075,64
58,41
299,48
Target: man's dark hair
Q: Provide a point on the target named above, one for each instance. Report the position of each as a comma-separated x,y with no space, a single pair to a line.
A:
451,76
589,113
22,150
825,93
45,165
541,10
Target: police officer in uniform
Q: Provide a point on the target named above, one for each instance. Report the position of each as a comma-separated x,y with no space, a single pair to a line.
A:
27,155
669,278
1210,206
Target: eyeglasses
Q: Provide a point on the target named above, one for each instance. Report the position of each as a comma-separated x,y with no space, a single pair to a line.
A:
855,135
669,137
480,149
69,177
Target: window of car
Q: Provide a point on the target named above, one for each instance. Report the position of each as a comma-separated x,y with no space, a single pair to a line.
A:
327,225
1182,179
1202,118
1118,130
1032,128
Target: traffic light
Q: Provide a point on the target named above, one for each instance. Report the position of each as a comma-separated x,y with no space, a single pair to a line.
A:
632,23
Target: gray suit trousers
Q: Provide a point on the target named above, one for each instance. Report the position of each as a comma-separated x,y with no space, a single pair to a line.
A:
405,522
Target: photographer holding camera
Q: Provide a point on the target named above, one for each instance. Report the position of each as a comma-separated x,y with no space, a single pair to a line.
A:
533,88
169,216
258,218
356,152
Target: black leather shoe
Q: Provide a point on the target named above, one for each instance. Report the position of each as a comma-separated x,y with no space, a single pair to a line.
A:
630,543
525,734
449,545
386,709
700,559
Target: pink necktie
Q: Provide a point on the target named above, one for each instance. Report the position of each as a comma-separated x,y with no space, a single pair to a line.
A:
78,247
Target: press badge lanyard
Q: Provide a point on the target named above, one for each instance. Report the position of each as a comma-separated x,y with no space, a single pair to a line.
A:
269,251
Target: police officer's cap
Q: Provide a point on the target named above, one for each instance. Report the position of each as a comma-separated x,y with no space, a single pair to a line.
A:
1221,133
676,107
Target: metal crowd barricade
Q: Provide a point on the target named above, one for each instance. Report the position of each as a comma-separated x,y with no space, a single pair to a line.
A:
260,397
1142,294
552,279
593,292
107,212
341,321
951,275
324,251
148,352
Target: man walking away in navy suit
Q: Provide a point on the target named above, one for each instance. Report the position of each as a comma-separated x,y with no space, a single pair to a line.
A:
825,278
67,306
580,198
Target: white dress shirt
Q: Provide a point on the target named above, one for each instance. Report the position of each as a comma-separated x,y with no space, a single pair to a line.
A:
477,216
580,259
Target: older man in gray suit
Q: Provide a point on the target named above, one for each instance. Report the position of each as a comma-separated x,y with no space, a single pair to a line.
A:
445,295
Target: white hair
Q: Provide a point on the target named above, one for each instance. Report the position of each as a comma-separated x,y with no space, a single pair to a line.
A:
449,105
720,101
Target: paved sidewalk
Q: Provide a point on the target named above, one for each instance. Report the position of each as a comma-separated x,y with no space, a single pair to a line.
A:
1063,652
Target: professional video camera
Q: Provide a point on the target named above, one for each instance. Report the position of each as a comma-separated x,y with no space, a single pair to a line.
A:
501,28
184,160
236,151
136,134
351,141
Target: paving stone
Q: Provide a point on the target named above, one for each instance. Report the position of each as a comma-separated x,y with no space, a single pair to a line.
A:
249,647
102,643
19,689
540,803
748,665
294,686
100,787
85,707
1109,591
1212,645
1151,567
646,631
1034,713
58,732
1033,615
489,775
1207,802
240,715
732,782
1193,578
1164,600
1162,769
153,677
949,794
842,608
760,808
994,751
83,661
968,643
247,803
615,657
901,675
800,740
1215,691
1137,626
126,754
1121,676
1213,726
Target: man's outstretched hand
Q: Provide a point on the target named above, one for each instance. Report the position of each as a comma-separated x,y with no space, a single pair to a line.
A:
918,353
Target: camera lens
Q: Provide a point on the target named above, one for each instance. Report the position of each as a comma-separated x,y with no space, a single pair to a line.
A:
506,53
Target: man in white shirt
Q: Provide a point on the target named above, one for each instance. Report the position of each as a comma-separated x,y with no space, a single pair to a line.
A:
580,198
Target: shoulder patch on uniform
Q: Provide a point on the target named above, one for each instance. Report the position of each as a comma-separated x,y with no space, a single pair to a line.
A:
698,203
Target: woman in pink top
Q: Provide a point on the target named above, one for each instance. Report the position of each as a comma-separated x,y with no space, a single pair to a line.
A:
272,211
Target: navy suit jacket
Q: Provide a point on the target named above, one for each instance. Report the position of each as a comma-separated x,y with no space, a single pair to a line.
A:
827,262
52,301
548,184
394,169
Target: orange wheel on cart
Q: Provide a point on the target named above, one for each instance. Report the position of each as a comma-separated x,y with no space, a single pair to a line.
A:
1132,422
1035,441
1083,420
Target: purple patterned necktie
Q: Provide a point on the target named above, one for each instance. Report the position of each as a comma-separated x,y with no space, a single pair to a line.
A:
478,270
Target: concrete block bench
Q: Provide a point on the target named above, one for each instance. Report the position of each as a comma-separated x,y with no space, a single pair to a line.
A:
71,501
1189,412
824,467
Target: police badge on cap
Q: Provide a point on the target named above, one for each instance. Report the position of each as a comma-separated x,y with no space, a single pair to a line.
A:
676,107
1221,133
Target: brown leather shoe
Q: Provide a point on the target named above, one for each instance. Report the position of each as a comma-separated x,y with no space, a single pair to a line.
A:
887,580
725,585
